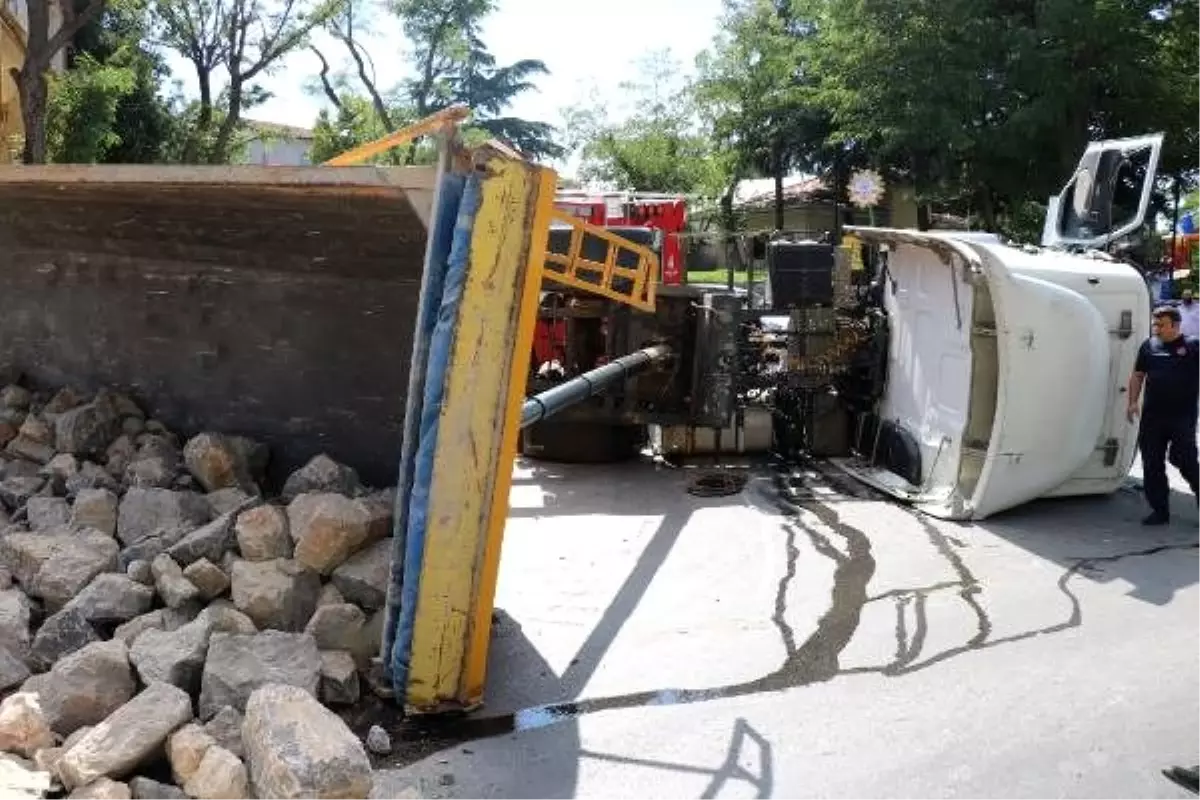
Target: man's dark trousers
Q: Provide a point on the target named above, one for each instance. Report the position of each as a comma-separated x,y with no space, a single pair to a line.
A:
1166,438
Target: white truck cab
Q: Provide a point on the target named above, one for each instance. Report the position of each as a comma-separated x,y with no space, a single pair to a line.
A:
1007,365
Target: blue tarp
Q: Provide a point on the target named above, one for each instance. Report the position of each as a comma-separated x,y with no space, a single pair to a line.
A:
450,240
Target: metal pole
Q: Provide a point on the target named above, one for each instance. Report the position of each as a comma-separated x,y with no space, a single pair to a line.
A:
1174,234
588,384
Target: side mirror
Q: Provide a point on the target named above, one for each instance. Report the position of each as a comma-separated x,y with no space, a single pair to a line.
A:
1108,196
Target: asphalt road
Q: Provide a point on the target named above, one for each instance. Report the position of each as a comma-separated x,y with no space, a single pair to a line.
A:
654,644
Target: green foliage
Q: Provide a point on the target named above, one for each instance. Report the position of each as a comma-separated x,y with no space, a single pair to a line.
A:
452,66
107,108
82,112
988,103
356,123
756,90
661,147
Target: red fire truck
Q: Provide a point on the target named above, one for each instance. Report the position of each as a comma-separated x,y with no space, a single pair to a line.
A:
663,212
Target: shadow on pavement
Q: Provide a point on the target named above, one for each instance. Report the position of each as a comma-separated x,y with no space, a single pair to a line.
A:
1101,539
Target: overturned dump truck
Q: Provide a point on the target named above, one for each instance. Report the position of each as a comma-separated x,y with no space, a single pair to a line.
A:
386,316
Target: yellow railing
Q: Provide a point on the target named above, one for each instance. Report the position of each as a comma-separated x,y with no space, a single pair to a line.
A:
635,285
446,118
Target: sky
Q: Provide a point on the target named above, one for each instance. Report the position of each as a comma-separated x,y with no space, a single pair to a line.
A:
589,48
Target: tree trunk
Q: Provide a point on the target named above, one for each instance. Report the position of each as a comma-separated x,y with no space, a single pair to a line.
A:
777,173
221,147
40,49
31,81
33,94
191,150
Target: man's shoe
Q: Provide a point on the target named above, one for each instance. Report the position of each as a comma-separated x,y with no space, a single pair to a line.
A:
1156,518
1188,778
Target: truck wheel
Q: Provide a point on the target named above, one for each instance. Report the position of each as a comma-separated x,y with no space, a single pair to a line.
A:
582,442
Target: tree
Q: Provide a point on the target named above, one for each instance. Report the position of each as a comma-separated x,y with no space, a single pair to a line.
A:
659,147
41,47
988,103
453,65
107,106
245,38
757,91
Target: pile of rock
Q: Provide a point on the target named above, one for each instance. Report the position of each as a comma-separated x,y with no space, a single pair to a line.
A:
154,604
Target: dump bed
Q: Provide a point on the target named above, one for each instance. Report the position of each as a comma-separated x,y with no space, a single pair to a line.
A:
275,302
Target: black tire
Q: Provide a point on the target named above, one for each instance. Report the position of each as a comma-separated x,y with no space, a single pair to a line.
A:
582,442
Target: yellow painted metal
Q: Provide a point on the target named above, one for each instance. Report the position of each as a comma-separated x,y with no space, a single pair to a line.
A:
473,460
434,123
481,624
635,286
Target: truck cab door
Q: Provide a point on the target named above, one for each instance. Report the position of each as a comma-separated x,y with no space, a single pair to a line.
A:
1108,196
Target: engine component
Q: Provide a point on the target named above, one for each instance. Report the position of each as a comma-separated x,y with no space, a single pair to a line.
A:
800,274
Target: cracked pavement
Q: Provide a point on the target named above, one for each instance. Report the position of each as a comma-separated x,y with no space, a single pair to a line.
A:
825,642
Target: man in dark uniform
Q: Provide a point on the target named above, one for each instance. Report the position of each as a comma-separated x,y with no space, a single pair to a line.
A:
1168,366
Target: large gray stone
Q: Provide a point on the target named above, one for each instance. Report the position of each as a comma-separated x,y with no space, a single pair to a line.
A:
95,508
161,514
321,474
339,678
262,533
173,588
222,501
128,737
16,491
296,748
363,578
329,528
86,430
61,634
47,513
238,664
177,656
336,627
15,616
210,541
279,594
55,566
221,774
220,462
161,619
226,728
208,578
113,597
185,751
13,671
84,687
90,476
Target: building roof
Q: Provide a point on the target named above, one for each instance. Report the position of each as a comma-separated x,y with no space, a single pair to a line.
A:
278,130
760,192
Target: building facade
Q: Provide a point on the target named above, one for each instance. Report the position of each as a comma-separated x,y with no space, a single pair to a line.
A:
273,145
14,22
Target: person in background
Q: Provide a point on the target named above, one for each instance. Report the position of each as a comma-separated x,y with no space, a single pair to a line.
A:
1168,367
1189,315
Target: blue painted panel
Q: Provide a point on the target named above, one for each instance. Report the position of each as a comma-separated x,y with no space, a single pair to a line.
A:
449,257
